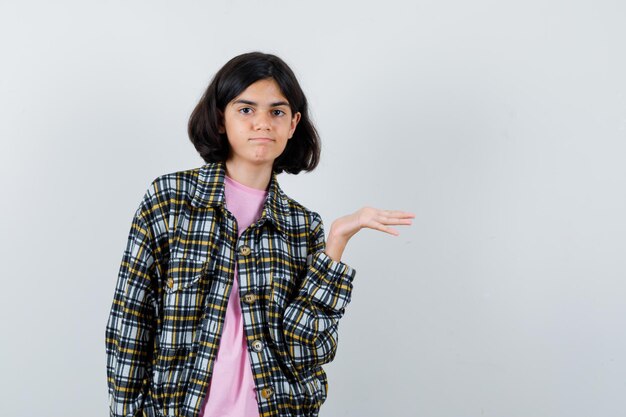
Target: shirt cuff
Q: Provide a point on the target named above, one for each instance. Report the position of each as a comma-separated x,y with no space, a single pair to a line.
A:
330,271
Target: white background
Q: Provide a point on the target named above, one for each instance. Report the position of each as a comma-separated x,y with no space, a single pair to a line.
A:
501,124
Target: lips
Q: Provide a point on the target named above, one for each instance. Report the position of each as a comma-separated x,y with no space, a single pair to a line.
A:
262,139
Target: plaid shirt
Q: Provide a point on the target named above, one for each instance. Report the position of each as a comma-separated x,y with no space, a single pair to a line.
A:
163,331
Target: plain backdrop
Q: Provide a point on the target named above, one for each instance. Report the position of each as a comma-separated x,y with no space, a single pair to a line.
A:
500,124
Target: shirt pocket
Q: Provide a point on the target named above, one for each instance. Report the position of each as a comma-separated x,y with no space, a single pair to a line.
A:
283,288
183,302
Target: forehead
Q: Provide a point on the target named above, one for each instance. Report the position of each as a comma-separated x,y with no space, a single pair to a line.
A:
264,91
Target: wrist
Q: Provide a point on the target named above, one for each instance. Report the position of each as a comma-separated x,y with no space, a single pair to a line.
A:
335,245
336,235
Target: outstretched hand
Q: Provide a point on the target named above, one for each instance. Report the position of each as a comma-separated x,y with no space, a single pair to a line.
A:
343,228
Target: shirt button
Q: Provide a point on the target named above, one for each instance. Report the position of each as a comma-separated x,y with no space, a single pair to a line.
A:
249,298
267,392
244,250
257,346
170,282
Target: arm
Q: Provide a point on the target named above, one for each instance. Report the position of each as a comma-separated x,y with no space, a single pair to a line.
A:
130,326
311,320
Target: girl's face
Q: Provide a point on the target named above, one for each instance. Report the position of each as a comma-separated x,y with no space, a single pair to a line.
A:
258,124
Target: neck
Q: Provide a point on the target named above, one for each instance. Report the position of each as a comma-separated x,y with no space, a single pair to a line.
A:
253,176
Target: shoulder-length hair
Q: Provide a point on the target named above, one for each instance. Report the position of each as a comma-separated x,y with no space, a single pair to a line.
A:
303,149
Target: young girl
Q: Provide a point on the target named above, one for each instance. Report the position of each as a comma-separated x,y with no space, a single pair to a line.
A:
228,297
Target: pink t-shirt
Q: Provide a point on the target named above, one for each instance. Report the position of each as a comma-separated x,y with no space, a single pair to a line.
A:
231,390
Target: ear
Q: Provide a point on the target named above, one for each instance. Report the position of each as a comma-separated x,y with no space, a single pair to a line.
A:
294,122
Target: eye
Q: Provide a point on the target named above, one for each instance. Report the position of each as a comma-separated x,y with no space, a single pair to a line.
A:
279,112
245,110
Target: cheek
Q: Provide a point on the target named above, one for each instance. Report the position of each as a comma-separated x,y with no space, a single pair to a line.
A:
236,126
284,125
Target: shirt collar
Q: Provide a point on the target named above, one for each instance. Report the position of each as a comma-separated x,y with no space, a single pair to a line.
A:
210,193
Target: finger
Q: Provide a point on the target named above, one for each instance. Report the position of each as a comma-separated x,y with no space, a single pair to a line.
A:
383,228
393,220
391,231
401,222
398,214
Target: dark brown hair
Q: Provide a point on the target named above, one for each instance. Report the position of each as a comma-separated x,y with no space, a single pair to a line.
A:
303,149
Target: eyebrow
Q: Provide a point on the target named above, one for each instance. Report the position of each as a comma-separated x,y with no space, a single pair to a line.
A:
252,103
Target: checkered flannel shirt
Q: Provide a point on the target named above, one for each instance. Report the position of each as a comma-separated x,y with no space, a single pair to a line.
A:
164,327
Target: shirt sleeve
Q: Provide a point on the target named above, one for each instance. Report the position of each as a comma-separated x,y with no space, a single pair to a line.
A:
311,320
130,326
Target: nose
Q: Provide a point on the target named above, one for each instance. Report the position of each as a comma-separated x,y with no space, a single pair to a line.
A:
262,121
